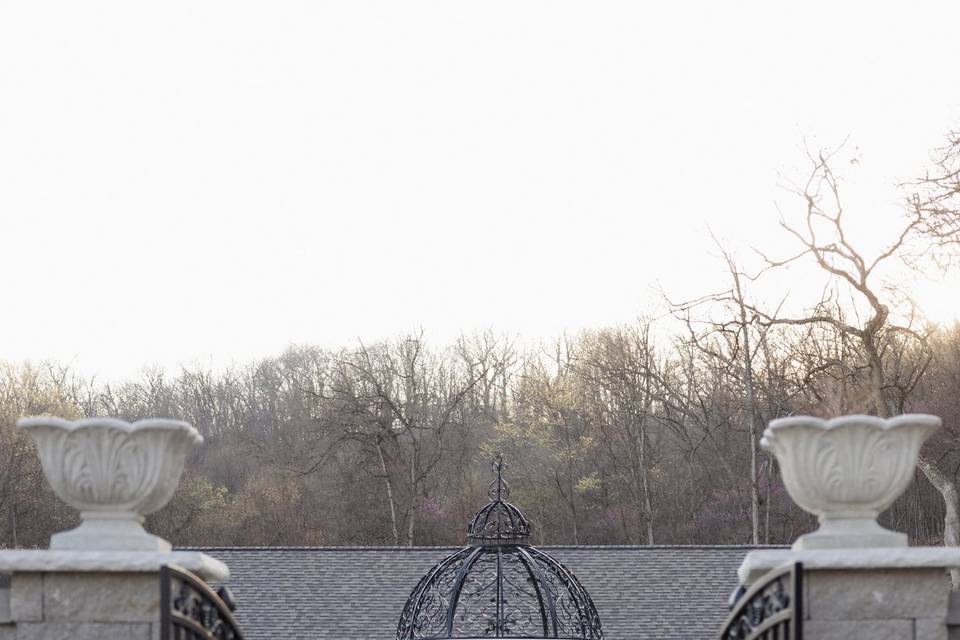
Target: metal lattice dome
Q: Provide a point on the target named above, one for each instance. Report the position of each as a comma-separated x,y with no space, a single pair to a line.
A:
500,587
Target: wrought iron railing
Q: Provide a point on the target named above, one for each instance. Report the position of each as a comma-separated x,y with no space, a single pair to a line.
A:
191,610
771,609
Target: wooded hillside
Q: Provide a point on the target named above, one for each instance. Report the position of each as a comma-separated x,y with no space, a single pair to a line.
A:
639,434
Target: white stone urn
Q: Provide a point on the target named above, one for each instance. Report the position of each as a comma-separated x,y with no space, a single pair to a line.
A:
846,471
114,473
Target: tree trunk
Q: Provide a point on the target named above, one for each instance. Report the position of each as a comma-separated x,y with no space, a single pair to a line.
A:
750,410
645,480
571,496
647,405
414,501
390,499
647,503
412,521
576,531
944,484
766,512
947,487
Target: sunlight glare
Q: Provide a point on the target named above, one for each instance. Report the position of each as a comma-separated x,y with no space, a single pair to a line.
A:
937,299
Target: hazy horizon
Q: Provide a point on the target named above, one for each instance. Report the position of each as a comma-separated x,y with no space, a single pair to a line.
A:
184,183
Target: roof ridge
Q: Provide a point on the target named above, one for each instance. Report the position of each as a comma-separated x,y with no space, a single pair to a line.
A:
638,547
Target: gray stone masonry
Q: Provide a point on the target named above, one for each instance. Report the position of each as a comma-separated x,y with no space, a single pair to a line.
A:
79,606
876,604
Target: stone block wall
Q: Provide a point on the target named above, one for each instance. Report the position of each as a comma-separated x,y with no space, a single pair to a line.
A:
876,604
79,606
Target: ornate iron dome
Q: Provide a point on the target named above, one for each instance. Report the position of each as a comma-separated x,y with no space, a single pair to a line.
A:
498,522
500,587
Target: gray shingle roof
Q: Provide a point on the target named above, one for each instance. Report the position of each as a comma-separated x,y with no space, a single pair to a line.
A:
342,593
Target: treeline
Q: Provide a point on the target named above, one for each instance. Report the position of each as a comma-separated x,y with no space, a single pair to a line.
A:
610,439
640,434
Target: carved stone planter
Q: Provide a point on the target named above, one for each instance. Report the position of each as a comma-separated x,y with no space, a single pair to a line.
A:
114,473
846,471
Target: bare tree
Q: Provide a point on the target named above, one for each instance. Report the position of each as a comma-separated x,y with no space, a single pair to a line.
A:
617,369
416,399
936,200
878,337
727,340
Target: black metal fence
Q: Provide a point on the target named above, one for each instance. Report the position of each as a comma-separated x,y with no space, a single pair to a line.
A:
191,610
771,609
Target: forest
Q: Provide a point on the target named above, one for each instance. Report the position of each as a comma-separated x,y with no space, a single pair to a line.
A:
645,433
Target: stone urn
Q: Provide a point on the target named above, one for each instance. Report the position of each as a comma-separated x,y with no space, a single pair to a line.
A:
846,471
114,473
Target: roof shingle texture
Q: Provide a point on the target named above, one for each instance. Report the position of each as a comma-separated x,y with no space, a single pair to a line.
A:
340,593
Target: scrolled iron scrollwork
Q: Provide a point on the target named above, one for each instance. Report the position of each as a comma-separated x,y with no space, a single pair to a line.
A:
499,591
575,614
771,606
500,587
191,609
498,522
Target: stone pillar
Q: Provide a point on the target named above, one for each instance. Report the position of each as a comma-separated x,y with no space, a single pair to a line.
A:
868,593
72,595
101,580
860,581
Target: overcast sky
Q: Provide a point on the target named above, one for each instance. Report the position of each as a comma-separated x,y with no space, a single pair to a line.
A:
188,182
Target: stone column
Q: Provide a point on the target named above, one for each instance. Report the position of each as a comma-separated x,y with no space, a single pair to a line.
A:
100,580
870,593
80,595
860,581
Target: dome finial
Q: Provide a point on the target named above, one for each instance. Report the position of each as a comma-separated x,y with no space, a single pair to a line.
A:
499,586
499,522
499,488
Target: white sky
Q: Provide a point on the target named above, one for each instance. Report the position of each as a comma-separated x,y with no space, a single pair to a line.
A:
208,182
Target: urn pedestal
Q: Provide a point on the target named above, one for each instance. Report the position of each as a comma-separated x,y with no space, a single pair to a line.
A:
114,473
860,580
102,579
846,471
